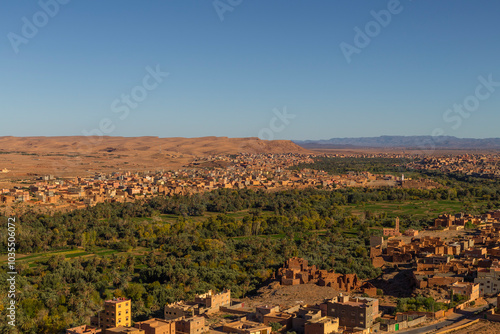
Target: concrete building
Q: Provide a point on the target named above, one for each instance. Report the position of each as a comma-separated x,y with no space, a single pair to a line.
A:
353,312
213,301
194,325
246,327
324,325
470,290
489,281
261,311
156,326
304,315
180,310
117,312
205,303
285,319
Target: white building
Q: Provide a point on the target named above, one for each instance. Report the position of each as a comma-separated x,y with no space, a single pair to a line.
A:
489,281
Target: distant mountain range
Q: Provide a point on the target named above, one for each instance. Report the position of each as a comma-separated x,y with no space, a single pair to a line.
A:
408,142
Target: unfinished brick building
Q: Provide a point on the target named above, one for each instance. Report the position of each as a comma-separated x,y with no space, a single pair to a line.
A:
214,301
209,302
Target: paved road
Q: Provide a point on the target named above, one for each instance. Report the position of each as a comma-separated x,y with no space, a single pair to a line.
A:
467,313
433,327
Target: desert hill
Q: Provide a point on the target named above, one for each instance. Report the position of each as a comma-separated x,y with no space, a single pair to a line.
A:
193,146
80,155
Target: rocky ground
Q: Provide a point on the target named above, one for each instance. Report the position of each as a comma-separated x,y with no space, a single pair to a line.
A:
276,294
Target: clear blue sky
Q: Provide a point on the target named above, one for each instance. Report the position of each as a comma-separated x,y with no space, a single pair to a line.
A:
226,77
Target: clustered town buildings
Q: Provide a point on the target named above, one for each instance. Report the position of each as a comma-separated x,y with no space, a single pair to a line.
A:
435,262
485,165
255,171
343,314
468,263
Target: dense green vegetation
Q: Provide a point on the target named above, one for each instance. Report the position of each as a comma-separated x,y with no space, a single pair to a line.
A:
177,259
169,248
420,304
423,304
337,165
469,189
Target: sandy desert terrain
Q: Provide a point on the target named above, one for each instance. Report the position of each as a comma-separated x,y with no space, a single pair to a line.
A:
79,155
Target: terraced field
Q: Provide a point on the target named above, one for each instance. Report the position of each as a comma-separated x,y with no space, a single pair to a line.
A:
34,259
416,209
